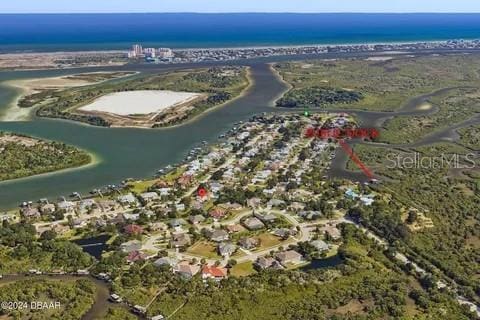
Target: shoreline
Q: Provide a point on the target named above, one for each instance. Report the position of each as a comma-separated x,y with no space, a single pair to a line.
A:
246,47
33,53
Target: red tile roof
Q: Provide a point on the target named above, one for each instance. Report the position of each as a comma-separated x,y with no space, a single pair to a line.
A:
216,272
133,229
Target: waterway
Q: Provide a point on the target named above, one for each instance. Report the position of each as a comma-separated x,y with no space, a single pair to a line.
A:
94,246
138,153
97,310
329,262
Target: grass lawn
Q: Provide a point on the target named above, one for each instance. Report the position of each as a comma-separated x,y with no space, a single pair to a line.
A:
242,269
268,240
141,186
204,249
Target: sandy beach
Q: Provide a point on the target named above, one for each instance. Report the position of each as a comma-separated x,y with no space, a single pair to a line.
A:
27,87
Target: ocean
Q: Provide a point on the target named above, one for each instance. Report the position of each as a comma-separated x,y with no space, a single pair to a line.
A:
71,32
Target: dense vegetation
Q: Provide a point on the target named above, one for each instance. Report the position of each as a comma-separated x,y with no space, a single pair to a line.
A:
452,245
75,298
385,85
315,97
18,159
21,251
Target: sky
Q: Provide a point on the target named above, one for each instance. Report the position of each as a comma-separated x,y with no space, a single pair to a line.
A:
77,6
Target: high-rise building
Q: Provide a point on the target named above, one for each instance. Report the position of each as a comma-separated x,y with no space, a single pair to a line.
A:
137,50
165,53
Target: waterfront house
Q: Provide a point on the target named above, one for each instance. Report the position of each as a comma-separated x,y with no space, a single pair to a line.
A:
320,245
30,213
289,257
266,263
66,206
131,246
47,208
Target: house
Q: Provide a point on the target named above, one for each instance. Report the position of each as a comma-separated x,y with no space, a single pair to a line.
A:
180,207
127,199
197,219
226,249
79,223
213,272
283,233
30,213
135,255
249,243
108,205
164,261
67,206
47,208
133,229
187,270
180,240
185,180
149,196
86,205
254,202
175,223
131,246
275,203
310,215
289,257
253,223
217,213
331,231
158,226
265,218
164,191
320,245
234,228
217,235
266,263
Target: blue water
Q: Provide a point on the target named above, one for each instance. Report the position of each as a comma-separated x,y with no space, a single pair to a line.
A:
47,32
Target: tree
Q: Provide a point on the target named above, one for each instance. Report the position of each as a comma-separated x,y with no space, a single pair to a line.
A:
48,235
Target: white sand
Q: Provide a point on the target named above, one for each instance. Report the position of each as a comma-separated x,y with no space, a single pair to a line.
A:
139,102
